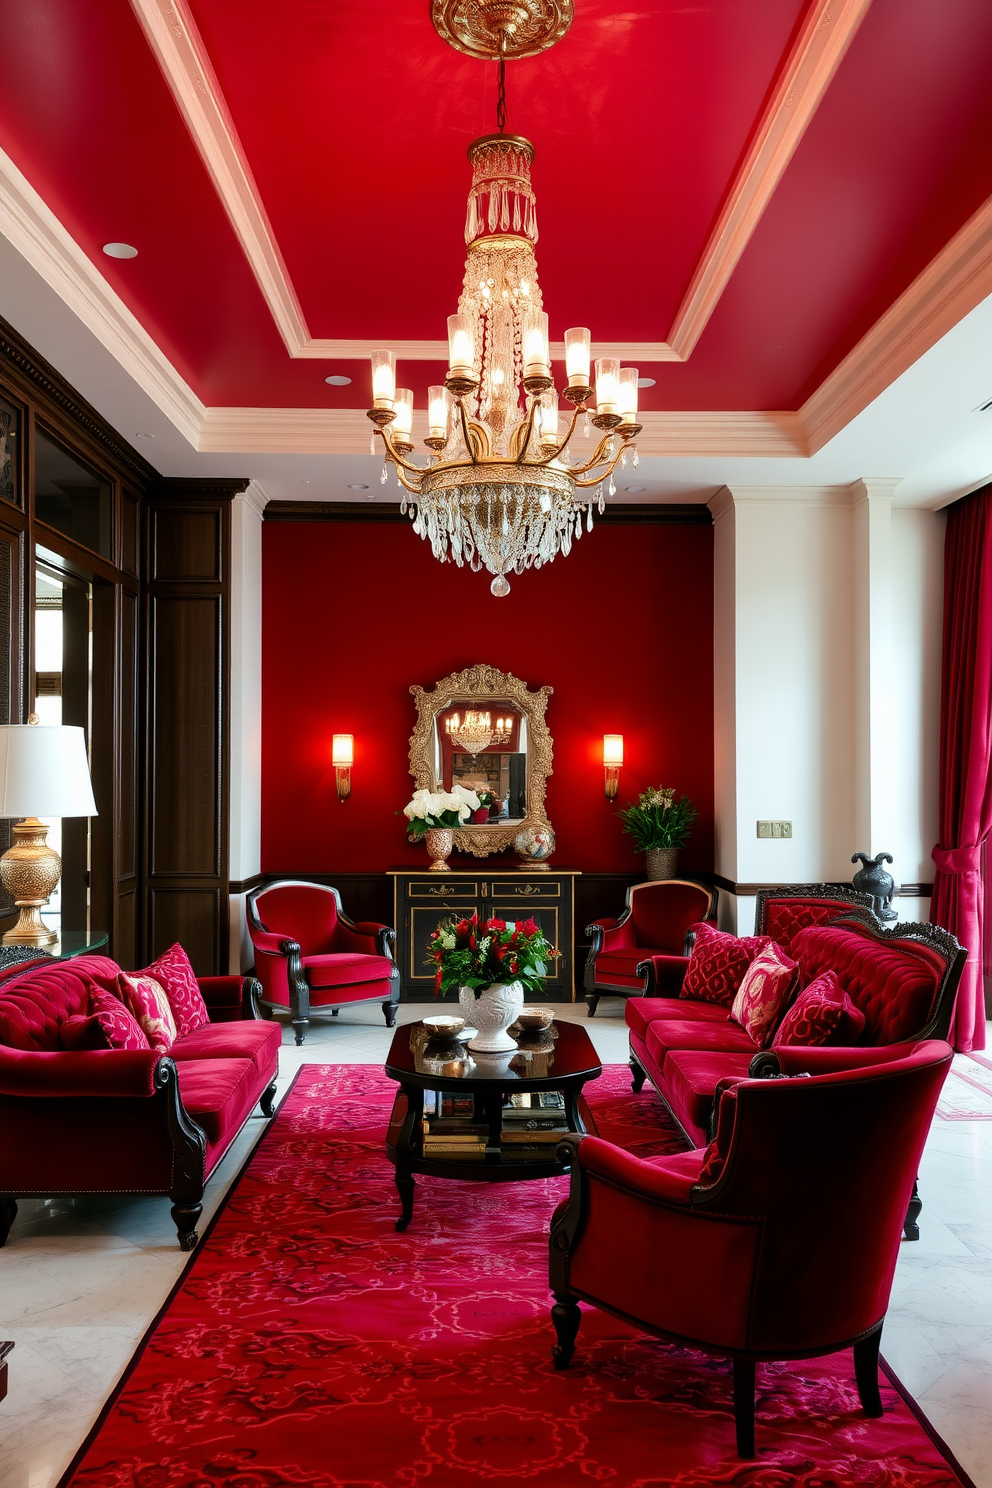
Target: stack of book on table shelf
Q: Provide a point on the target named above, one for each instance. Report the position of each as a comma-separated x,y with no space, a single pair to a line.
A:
449,1128
533,1125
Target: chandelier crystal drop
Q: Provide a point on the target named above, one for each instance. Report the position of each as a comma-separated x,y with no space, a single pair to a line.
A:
501,491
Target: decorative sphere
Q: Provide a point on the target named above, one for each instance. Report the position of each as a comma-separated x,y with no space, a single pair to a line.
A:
535,843
500,586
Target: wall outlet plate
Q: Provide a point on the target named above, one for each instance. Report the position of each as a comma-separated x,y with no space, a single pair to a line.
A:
774,829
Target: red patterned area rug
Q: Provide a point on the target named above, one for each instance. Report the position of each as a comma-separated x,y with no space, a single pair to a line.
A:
309,1344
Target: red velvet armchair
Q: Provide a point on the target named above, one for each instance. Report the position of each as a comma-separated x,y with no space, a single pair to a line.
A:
309,956
652,927
729,1249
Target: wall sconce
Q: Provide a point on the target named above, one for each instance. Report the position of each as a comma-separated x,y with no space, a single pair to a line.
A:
343,757
612,760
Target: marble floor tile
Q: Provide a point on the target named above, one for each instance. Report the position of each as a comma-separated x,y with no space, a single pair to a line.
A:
81,1278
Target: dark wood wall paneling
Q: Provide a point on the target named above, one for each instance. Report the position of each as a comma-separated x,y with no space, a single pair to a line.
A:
45,402
187,709
161,647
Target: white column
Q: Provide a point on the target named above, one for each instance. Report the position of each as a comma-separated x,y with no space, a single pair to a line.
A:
784,693
246,707
875,808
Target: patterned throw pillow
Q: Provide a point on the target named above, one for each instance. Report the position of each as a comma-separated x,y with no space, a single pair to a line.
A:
147,1001
765,992
116,1024
821,1014
173,972
717,964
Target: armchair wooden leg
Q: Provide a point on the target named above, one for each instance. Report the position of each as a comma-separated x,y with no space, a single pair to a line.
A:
911,1226
592,1002
267,1100
8,1213
866,1372
389,1013
637,1075
185,1217
300,1026
334,1012
566,1316
744,1406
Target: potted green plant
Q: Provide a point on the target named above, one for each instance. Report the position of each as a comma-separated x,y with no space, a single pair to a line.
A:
659,824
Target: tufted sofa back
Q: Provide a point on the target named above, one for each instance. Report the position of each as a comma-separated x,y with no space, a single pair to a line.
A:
896,983
36,1002
784,918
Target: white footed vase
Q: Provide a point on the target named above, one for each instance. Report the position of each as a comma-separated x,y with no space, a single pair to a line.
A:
491,1013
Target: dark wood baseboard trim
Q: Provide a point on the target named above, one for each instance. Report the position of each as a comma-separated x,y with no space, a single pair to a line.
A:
902,891
245,885
629,513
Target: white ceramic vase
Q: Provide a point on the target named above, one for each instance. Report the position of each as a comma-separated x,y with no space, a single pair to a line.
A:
491,1013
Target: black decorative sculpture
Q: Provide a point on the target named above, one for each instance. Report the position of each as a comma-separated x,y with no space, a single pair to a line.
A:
872,879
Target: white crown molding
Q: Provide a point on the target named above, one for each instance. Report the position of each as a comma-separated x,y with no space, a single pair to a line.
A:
172,34
41,240
811,496
345,431
827,30
254,498
175,41
957,280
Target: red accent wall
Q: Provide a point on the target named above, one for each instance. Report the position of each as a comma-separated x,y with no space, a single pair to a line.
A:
355,613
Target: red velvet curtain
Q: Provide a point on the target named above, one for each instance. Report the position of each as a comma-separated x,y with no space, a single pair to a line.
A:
966,752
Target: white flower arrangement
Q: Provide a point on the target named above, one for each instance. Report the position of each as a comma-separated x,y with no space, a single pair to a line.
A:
439,809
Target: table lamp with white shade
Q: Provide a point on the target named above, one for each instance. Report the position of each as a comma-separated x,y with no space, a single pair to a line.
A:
43,772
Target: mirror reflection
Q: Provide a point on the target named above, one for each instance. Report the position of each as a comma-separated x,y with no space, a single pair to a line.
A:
485,750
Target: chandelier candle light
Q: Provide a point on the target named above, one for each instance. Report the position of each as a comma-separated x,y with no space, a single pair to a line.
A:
502,491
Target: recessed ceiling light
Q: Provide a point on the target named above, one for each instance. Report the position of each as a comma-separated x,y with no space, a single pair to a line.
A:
635,490
144,436
358,488
645,382
338,381
120,250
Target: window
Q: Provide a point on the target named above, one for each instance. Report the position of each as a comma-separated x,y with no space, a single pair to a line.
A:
71,497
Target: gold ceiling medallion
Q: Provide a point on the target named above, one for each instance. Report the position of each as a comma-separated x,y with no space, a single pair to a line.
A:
507,28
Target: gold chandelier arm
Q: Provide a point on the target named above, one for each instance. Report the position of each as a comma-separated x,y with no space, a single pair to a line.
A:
414,490
598,457
555,453
595,480
466,434
398,459
522,452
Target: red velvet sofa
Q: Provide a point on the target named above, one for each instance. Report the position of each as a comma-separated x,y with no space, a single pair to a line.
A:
903,979
117,1121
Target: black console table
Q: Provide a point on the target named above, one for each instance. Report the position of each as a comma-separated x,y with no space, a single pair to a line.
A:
424,900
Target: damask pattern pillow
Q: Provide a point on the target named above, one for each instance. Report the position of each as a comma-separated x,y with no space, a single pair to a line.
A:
173,971
118,1026
147,1001
821,1014
766,990
717,964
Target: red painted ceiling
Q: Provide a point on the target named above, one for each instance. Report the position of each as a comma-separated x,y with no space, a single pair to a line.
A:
355,118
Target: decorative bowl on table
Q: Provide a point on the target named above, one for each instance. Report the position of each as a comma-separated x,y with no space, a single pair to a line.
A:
533,1018
444,1025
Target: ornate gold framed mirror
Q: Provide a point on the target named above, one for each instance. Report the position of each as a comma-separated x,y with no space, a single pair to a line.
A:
484,729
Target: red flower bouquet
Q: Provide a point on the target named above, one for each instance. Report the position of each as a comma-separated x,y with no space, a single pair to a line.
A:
478,953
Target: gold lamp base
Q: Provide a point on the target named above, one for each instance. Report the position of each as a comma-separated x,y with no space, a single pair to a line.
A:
30,871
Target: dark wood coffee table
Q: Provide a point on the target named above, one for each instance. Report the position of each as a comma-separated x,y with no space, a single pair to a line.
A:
560,1059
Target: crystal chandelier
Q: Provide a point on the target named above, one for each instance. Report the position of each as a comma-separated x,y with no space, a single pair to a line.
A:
476,731
502,490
